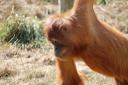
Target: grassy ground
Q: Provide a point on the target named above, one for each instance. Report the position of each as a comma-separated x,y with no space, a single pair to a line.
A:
26,66
34,66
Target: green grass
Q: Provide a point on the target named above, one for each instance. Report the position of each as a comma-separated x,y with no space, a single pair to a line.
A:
22,30
104,2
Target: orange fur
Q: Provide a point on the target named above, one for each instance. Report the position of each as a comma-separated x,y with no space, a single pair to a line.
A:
103,48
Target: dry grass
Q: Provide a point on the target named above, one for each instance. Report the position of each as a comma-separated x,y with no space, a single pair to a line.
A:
25,7
115,13
36,67
26,66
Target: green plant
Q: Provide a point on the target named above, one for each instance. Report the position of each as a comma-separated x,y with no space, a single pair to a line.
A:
104,2
22,30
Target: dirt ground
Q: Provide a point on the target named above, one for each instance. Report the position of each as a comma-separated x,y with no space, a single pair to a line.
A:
37,67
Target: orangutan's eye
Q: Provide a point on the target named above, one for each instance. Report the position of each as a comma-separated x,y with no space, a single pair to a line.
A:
53,41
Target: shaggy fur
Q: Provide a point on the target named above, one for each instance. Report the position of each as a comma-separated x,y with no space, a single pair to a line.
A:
103,48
